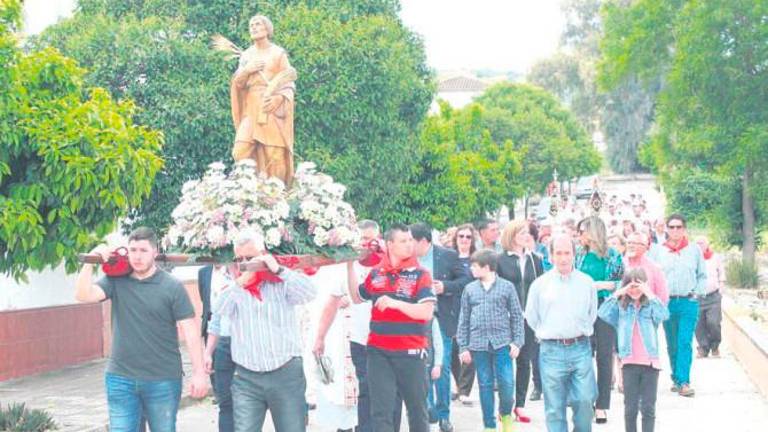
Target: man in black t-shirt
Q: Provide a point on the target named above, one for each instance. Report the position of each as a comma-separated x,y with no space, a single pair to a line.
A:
144,373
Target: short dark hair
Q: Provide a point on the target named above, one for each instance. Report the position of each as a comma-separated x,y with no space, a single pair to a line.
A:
421,231
534,230
367,224
396,227
144,233
485,258
483,223
677,216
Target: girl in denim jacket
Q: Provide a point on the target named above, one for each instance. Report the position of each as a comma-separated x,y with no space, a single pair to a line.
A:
636,313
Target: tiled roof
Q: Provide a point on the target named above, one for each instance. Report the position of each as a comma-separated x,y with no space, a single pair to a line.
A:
461,84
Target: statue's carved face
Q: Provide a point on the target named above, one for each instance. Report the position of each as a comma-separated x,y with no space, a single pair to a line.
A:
258,29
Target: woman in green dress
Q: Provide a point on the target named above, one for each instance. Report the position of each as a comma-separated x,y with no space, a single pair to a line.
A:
604,266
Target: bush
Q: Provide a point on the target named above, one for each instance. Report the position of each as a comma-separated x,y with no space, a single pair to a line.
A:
18,418
742,274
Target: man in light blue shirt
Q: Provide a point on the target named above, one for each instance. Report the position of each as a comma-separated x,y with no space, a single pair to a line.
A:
561,310
686,274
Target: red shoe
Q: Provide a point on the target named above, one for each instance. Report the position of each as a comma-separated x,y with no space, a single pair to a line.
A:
522,418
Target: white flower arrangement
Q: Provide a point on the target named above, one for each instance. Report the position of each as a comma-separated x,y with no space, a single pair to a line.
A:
214,210
329,220
311,218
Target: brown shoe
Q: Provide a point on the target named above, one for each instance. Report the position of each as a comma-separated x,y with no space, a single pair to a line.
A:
687,391
716,353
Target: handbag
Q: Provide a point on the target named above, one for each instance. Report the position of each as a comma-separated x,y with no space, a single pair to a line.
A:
324,369
117,265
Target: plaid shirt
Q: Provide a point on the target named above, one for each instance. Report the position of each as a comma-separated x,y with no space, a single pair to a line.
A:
491,317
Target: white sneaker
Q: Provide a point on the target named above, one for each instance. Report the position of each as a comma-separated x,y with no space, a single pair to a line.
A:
434,427
465,400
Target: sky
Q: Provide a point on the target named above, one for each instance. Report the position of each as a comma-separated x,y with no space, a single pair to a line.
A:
504,35
485,34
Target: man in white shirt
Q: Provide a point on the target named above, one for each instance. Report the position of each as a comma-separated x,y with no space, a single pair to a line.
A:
561,310
361,319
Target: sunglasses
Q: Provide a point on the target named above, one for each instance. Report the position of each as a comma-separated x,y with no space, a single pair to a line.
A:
243,259
464,236
675,227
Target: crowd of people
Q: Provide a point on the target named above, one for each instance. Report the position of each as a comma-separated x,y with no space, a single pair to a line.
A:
570,304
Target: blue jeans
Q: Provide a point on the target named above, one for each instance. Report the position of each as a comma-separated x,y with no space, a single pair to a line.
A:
568,379
486,364
443,384
679,330
129,399
280,391
223,371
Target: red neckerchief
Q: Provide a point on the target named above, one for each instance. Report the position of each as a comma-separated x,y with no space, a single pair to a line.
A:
387,267
709,253
253,286
676,249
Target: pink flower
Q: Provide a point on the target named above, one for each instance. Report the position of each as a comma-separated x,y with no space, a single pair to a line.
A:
334,239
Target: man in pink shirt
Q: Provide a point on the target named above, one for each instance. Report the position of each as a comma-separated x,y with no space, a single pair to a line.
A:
637,246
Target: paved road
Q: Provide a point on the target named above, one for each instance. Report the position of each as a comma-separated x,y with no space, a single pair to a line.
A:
726,401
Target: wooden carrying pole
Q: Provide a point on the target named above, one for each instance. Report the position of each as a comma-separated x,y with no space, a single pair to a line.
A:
290,261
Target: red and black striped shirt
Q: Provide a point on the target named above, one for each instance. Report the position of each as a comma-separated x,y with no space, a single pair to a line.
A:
391,329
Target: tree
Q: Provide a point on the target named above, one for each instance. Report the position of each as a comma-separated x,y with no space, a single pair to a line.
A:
547,136
71,159
624,114
363,85
711,111
462,174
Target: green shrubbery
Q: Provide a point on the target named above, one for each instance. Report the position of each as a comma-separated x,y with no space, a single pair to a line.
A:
742,274
18,418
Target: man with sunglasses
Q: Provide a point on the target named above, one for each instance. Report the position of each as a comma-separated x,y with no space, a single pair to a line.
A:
686,277
266,340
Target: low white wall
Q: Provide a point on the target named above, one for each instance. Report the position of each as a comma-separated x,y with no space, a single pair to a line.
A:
47,288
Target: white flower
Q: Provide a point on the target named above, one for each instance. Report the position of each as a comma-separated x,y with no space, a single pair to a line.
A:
216,235
216,166
321,237
273,237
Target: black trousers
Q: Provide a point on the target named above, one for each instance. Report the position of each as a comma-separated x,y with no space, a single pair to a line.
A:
464,374
390,374
708,332
529,355
604,341
640,387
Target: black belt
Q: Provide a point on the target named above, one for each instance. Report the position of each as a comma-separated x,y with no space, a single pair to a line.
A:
687,296
567,342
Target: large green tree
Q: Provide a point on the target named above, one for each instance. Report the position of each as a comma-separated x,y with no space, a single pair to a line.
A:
71,159
363,85
624,114
712,112
547,135
461,173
